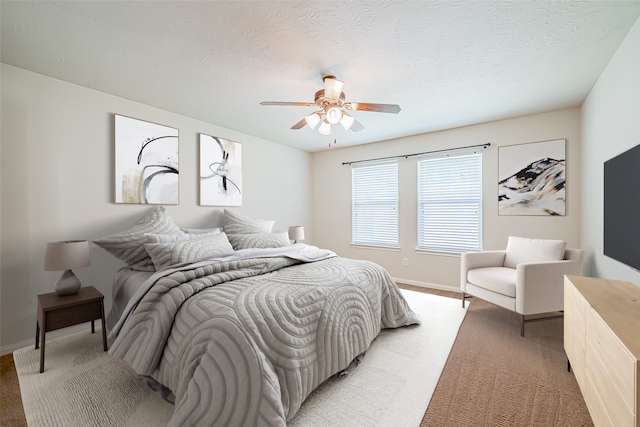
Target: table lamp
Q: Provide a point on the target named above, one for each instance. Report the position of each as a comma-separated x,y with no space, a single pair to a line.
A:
66,255
296,233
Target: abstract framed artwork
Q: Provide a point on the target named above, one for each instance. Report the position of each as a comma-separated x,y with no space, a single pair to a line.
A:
220,172
146,162
531,178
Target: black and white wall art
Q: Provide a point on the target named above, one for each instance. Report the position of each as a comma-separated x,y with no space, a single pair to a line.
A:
146,162
531,178
220,172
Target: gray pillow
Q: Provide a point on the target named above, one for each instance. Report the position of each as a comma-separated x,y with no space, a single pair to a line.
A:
128,245
235,223
172,238
259,240
166,254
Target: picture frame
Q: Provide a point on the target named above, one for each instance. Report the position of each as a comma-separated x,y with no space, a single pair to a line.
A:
531,178
146,162
220,171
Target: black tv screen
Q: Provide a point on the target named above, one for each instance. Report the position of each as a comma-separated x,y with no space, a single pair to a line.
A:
622,207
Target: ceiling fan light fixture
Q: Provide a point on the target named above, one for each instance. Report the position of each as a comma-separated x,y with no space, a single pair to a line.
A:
332,87
312,120
334,115
346,121
325,128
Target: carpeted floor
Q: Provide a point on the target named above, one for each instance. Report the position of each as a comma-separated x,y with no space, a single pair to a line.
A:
11,412
493,377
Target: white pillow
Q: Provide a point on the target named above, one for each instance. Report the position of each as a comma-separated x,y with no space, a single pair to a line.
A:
128,245
259,240
235,223
166,254
214,230
521,249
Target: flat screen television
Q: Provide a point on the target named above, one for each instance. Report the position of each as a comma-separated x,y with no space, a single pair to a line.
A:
622,208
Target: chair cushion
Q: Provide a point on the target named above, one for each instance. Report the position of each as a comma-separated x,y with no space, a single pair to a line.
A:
521,249
497,279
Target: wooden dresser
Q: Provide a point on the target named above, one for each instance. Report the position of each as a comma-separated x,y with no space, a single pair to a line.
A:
602,342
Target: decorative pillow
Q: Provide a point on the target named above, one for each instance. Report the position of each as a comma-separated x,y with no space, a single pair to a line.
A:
172,238
166,254
235,223
521,249
260,240
128,245
215,230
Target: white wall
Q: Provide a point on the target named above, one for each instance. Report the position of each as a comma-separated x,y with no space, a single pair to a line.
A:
57,181
610,126
332,194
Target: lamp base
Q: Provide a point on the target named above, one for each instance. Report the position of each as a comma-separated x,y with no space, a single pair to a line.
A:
67,284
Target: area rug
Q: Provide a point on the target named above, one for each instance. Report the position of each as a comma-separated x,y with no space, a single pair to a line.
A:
392,385
495,377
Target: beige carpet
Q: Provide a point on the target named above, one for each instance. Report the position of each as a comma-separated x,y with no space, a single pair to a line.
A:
495,377
392,386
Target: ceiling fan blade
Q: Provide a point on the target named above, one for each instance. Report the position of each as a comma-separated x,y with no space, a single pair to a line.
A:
294,104
332,87
376,108
356,126
302,123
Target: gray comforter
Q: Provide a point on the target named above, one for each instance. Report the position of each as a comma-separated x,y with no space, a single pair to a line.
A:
243,341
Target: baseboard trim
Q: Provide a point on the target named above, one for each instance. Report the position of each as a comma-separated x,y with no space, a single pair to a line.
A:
427,284
10,348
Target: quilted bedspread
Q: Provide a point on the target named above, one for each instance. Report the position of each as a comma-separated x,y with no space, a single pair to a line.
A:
243,342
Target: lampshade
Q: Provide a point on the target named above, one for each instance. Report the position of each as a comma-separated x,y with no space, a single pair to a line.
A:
325,128
332,87
66,255
346,121
312,120
296,233
334,114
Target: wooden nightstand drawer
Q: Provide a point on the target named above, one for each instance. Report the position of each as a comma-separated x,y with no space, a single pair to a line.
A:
57,319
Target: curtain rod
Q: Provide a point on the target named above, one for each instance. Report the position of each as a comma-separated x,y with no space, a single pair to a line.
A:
488,144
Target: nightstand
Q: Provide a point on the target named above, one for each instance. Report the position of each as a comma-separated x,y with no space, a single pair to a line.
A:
57,312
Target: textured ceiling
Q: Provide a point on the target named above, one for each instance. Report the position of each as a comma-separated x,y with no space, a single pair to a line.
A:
446,63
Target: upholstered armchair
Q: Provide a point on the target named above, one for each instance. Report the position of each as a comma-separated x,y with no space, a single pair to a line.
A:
527,277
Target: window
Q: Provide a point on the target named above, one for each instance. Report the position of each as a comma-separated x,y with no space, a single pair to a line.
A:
375,204
450,203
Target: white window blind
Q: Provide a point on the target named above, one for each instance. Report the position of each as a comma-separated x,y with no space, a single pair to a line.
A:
450,203
375,204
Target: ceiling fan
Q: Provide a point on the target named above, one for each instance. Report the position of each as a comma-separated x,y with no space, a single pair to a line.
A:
331,101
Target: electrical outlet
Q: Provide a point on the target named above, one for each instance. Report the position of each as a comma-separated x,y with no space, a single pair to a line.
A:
405,261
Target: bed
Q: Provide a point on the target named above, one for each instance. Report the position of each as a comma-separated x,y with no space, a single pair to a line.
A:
242,337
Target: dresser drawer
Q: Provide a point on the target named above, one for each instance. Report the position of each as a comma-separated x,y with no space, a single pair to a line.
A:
616,362
602,391
577,325
597,409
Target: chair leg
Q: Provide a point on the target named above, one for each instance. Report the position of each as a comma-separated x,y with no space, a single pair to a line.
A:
522,326
463,298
